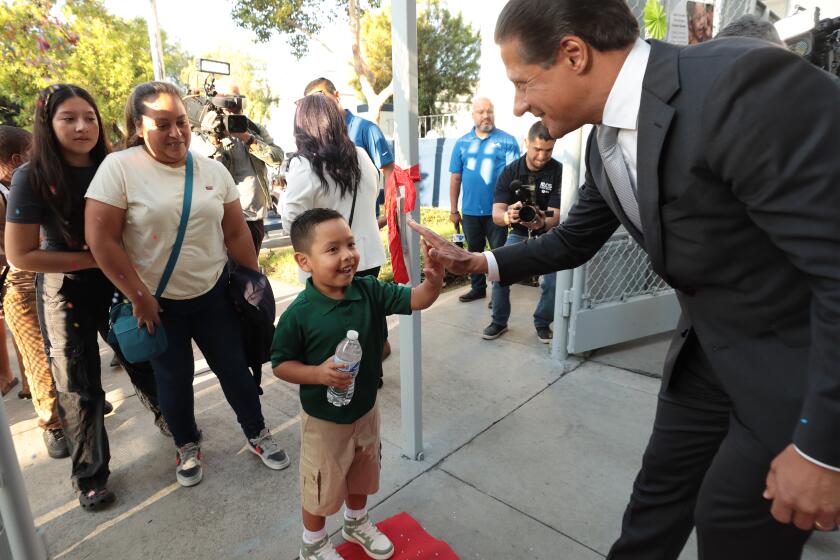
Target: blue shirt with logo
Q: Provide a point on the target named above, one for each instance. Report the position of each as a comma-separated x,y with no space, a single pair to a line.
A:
480,162
369,137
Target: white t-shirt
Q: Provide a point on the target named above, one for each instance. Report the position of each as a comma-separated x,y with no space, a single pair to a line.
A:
152,194
304,192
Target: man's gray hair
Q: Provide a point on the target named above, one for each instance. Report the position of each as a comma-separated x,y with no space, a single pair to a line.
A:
751,26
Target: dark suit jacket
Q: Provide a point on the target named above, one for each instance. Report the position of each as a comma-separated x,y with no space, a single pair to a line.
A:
739,195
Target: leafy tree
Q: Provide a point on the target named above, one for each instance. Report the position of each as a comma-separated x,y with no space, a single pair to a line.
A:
247,72
84,45
301,21
447,58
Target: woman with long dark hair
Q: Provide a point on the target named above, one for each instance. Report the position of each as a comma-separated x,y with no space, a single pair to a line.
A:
47,196
133,216
329,171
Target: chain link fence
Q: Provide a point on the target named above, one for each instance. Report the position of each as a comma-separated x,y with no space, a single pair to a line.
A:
619,271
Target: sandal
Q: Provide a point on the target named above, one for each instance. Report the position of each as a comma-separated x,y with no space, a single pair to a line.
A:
96,499
9,386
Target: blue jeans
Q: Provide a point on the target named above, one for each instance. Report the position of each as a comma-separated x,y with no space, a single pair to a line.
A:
544,314
210,320
477,229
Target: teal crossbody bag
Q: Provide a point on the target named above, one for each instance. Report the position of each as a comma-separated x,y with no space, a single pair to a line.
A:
135,342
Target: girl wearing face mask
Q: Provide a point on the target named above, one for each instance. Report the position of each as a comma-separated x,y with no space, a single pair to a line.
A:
73,296
133,212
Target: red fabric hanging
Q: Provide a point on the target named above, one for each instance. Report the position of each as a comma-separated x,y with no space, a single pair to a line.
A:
399,178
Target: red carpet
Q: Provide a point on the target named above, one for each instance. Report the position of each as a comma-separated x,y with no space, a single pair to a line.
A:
410,542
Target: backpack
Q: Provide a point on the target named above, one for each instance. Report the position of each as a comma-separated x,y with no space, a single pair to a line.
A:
253,301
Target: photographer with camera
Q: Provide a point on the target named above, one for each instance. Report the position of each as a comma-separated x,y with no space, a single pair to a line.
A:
527,199
244,153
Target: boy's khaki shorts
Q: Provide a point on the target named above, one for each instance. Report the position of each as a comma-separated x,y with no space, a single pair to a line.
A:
337,460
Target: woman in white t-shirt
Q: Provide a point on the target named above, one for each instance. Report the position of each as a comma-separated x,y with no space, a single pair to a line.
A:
329,171
132,217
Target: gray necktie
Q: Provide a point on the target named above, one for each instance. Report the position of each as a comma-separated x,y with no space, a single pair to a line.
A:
616,168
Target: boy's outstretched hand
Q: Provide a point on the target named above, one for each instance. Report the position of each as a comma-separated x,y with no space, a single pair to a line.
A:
433,269
328,374
450,256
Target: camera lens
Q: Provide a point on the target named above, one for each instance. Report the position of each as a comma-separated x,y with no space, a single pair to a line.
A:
527,213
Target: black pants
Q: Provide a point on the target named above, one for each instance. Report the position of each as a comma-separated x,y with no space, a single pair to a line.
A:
257,229
480,230
702,468
210,320
72,309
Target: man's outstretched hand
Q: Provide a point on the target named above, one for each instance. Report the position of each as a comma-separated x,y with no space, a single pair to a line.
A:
452,257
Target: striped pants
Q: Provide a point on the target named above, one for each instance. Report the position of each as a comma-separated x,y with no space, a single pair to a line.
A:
22,319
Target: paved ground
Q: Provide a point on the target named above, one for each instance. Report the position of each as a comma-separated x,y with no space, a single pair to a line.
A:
522,460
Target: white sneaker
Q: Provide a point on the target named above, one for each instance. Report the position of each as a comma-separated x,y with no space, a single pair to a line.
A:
364,533
321,550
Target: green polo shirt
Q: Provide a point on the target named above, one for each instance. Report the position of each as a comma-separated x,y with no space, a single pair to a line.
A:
314,324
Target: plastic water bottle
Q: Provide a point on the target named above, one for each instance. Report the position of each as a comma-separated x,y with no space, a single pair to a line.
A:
349,354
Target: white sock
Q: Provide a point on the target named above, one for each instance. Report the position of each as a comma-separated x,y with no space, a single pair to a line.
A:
311,537
354,514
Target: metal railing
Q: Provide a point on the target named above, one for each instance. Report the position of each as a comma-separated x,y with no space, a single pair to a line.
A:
440,124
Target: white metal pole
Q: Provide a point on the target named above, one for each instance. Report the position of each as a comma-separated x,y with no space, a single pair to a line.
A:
404,56
571,181
155,45
14,506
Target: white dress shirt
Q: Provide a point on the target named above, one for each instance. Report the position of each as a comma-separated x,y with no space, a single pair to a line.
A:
622,112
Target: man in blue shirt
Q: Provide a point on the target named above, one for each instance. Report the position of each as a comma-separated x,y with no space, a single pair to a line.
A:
364,134
477,160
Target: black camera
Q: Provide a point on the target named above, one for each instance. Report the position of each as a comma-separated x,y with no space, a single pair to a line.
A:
527,195
198,106
820,45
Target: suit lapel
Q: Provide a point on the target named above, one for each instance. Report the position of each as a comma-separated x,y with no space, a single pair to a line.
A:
655,115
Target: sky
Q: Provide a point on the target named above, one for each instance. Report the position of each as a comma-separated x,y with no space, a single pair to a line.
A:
201,25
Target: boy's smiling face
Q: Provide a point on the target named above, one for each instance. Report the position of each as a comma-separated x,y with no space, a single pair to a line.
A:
332,257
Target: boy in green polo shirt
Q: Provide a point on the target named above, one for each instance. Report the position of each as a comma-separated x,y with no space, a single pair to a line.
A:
340,446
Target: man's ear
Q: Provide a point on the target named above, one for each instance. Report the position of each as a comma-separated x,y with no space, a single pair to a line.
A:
573,54
16,160
302,260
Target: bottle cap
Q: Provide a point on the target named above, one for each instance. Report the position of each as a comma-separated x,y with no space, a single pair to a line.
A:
352,335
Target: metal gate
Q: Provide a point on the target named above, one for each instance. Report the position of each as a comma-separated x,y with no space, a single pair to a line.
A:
616,297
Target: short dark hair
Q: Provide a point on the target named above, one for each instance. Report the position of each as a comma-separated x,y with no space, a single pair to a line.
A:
751,26
13,140
320,84
540,25
304,226
538,130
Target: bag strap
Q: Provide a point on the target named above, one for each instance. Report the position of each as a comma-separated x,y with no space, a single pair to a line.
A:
182,228
353,207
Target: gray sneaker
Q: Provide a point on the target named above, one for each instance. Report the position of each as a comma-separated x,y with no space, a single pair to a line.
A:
493,331
188,465
269,451
368,536
321,550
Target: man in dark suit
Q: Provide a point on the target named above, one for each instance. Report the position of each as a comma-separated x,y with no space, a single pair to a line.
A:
721,160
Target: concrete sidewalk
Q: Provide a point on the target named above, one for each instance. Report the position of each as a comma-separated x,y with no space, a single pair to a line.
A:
522,460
